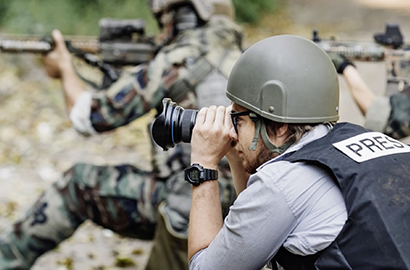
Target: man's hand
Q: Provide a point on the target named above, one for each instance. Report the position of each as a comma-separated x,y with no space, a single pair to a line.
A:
339,62
58,60
57,64
211,138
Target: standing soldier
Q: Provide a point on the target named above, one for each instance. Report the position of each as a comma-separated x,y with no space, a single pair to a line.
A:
200,45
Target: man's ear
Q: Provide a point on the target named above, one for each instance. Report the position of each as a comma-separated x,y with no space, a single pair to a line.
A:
282,131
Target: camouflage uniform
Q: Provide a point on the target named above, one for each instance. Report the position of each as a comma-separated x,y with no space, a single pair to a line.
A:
124,198
390,115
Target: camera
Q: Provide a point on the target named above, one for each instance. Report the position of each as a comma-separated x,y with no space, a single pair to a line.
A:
174,125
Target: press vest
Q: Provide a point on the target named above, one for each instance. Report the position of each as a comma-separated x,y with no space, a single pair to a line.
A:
373,173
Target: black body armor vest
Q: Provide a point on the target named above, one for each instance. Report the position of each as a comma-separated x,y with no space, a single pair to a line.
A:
373,173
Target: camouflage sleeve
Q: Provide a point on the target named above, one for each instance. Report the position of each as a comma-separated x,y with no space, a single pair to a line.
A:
378,114
135,93
399,120
125,100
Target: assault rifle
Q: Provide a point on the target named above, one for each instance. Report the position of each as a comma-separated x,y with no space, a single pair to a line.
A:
120,43
388,47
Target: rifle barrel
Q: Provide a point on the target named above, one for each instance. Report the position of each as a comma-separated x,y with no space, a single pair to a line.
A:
359,51
11,43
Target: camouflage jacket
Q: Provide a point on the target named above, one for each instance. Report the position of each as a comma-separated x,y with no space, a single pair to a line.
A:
175,72
390,114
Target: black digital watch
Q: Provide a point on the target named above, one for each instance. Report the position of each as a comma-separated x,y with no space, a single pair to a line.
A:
196,174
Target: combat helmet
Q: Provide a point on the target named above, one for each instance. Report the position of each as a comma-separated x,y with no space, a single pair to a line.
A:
286,79
204,8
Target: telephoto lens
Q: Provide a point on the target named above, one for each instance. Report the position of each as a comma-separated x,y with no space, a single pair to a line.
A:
174,125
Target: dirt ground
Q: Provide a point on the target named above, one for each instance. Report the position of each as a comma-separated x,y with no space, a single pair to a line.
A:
37,142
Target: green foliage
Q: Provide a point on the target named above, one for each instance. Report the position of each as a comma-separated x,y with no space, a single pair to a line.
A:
250,11
80,17
4,6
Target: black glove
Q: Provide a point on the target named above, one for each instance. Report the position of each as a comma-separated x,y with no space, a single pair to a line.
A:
340,62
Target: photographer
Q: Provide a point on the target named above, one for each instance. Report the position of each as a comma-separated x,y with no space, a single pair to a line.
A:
200,45
320,195
387,114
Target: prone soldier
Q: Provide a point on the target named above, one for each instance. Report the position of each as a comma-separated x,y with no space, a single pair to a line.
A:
387,114
201,43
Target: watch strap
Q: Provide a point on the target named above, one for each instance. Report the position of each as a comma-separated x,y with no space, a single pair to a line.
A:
204,174
210,174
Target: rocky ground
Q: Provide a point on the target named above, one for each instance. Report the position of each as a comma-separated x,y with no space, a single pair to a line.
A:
37,142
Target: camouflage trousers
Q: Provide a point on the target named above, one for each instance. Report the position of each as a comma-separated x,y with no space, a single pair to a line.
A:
121,198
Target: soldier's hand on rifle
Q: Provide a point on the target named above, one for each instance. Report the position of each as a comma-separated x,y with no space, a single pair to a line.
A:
339,62
59,59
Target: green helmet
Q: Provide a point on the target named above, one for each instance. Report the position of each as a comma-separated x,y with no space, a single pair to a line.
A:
287,79
204,8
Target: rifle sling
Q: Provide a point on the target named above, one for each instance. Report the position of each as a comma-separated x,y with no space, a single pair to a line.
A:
196,73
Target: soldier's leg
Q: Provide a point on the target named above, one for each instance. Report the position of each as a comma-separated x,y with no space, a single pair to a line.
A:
121,198
170,250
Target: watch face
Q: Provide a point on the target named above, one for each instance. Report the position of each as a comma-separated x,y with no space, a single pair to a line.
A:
194,174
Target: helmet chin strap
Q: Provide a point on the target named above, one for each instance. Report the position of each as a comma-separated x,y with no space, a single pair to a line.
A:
260,127
255,139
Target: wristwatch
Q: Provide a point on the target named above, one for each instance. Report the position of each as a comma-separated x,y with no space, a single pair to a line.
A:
196,174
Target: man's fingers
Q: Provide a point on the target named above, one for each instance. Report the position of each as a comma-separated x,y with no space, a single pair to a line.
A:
58,38
210,116
200,118
220,115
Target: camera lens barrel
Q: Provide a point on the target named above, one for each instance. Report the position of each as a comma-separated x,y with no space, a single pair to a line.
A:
188,119
174,125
